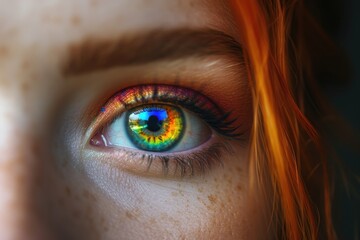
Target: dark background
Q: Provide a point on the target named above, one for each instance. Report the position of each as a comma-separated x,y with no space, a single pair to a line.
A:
341,19
347,102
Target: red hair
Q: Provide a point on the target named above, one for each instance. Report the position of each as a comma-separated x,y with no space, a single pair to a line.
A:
286,147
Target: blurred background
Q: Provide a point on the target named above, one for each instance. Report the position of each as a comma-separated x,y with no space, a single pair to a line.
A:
341,19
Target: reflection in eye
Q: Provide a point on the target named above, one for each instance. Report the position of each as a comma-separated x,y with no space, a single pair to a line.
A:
166,124
157,128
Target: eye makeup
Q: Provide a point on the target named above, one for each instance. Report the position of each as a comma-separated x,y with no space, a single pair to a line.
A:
154,123
189,99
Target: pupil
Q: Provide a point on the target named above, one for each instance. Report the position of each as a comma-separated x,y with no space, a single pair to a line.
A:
153,123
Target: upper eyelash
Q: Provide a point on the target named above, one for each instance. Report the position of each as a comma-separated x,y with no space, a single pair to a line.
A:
221,124
197,103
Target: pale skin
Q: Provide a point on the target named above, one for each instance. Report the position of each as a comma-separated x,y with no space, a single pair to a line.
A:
54,186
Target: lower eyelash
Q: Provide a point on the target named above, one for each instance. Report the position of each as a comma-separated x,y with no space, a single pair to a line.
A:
173,165
195,163
201,162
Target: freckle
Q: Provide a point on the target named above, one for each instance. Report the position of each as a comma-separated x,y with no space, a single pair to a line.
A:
3,51
68,191
25,65
21,179
75,20
238,169
129,215
94,2
208,207
174,194
192,4
86,193
89,211
36,148
25,87
152,221
212,199
64,164
89,195
60,202
103,224
76,214
163,216
229,199
200,189
238,187
76,197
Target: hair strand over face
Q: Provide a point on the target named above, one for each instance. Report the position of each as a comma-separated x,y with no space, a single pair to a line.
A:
281,131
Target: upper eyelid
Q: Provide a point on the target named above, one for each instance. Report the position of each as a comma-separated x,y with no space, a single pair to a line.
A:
121,105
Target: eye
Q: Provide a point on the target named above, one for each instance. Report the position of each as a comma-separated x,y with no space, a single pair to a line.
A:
176,127
157,128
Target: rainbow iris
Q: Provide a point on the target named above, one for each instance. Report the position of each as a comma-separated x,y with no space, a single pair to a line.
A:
155,127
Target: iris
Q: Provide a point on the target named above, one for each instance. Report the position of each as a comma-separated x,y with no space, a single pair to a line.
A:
155,128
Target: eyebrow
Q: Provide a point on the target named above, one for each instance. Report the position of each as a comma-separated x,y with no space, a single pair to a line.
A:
96,54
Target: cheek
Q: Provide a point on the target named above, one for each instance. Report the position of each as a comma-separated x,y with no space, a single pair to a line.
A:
74,206
215,205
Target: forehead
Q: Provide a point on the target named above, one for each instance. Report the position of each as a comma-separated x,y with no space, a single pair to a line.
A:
59,21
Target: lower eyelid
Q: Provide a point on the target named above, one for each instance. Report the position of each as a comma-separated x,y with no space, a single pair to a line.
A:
195,162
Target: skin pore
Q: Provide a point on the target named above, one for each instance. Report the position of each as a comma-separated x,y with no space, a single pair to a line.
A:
54,185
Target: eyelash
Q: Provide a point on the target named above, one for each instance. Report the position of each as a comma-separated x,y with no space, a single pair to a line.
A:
187,164
198,161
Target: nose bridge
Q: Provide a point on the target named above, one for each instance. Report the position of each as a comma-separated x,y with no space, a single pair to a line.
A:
21,169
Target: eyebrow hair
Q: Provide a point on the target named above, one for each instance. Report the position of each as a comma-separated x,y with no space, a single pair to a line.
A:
100,54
